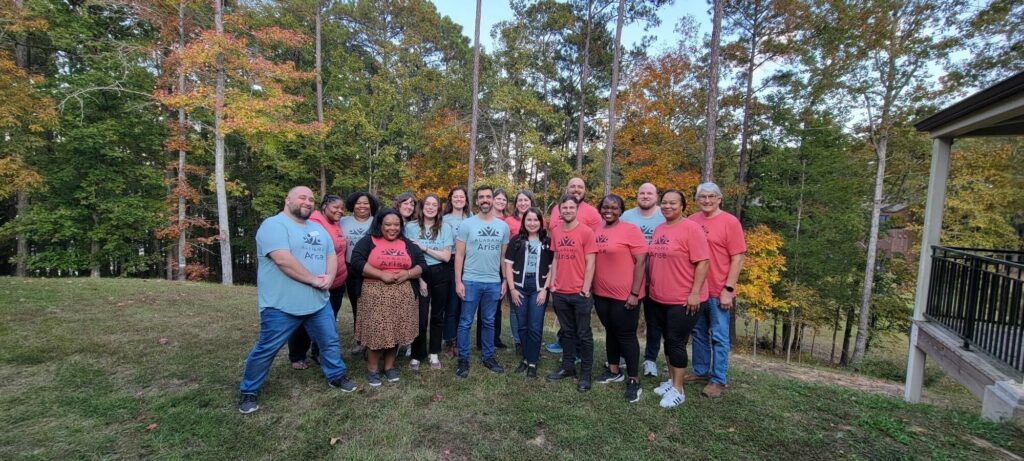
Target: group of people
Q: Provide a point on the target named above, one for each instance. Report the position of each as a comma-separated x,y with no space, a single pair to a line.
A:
420,273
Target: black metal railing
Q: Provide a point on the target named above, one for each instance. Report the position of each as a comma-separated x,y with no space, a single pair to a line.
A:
979,294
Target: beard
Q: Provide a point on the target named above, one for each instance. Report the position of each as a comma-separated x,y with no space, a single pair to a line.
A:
485,208
299,212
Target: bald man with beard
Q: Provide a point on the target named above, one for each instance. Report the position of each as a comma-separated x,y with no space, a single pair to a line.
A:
586,213
295,268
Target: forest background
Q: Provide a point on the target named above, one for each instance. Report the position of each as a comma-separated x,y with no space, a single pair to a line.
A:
148,138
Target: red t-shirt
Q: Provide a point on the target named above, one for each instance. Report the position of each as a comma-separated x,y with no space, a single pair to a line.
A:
340,245
725,238
514,224
571,248
389,256
585,214
673,254
613,272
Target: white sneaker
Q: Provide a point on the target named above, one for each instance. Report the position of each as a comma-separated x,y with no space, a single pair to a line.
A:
672,398
663,387
650,368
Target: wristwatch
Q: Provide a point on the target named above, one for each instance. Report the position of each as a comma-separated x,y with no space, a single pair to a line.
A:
730,289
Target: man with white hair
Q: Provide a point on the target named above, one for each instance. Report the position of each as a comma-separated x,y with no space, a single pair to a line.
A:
647,216
295,267
711,332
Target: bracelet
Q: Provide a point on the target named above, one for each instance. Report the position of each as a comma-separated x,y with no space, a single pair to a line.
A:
634,294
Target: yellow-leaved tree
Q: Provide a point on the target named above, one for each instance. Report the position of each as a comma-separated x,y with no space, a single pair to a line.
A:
762,270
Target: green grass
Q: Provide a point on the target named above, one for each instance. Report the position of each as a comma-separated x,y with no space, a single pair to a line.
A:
84,373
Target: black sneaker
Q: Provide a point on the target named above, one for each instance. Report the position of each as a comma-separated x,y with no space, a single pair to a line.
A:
521,368
633,391
462,370
584,384
608,377
562,373
391,375
531,371
247,403
342,382
493,365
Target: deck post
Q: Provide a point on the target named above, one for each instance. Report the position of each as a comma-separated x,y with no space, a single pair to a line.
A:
929,236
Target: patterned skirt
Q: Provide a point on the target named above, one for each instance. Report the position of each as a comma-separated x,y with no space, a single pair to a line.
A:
388,315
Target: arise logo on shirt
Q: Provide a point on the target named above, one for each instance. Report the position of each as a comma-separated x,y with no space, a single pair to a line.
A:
705,228
663,240
602,238
488,232
393,252
647,230
312,238
357,231
566,242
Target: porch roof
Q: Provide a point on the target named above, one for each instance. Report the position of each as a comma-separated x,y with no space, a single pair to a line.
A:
995,111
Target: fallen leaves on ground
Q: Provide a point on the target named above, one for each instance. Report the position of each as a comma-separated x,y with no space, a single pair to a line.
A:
150,427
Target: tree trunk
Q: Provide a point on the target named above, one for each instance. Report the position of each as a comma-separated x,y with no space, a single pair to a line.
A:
814,337
224,229
21,257
793,329
320,100
835,332
775,332
755,338
844,358
748,98
94,251
584,75
609,144
869,267
708,174
476,102
182,246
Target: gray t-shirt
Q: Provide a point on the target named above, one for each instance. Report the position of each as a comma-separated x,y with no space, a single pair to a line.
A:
354,232
646,225
532,257
483,248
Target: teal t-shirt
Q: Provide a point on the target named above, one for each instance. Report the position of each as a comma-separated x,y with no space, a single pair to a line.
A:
354,232
310,244
483,248
453,221
646,225
444,241
532,257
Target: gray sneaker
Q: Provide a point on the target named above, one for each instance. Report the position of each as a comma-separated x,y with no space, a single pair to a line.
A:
608,377
342,382
633,391
391,375
247,403
373,379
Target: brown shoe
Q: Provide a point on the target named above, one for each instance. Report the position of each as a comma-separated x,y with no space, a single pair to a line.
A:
449,349
690,378
713,390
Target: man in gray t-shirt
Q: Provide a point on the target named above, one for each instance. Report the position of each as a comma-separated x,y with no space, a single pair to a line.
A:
479,247
647,216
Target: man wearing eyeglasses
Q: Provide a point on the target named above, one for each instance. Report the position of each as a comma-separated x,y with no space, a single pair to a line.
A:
711,332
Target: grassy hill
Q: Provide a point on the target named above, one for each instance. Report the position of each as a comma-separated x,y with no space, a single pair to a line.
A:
148,368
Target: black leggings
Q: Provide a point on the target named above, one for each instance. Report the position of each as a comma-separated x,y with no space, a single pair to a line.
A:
620,327
676,325
438,278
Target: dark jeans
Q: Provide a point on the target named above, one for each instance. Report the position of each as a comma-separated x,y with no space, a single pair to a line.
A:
299,343
620,324
575,335
453,310
531,321
677,325
432,311
652,343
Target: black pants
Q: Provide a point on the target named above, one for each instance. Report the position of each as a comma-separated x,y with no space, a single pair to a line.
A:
575,335
438,278
676,324
620,324
355,287
299,342
653,341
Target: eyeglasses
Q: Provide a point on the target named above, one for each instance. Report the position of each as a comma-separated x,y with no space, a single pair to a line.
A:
707,197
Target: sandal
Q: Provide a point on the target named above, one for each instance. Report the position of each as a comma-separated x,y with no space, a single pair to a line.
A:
299,365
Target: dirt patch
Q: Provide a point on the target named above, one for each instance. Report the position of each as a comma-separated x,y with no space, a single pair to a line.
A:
813,375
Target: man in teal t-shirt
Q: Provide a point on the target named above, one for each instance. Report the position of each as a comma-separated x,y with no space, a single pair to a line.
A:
295,268
479,249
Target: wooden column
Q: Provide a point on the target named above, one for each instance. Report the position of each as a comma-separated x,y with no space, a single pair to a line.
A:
929,236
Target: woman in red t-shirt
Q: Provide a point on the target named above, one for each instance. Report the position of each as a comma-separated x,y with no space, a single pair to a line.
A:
388,310
618,287
331,209
678,264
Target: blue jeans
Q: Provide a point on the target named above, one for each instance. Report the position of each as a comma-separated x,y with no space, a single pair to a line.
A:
513,320
711,342
531,322
275,329
482,296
